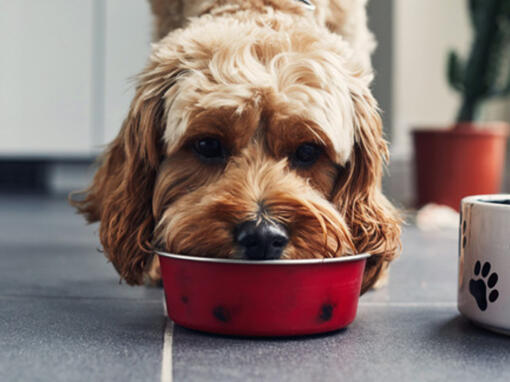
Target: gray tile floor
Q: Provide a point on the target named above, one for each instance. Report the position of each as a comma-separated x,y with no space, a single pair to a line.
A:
65,317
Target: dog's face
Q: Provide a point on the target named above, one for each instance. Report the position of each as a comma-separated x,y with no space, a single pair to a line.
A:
244,141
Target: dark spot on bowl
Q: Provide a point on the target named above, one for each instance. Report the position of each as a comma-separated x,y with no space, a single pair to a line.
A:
221,314
184,299
326,312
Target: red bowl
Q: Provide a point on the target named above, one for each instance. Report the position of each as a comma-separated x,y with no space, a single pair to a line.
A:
262,298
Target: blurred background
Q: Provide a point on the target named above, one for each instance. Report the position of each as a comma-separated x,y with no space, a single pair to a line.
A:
65,69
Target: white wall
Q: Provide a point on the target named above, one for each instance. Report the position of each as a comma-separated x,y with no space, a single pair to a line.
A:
45,77
64,69
424,32
128,37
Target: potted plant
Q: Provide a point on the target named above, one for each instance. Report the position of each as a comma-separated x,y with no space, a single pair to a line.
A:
469,158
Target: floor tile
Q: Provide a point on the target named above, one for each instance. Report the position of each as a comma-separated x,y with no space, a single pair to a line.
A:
64,316
426,270
59,339
384,344
63,270
48,250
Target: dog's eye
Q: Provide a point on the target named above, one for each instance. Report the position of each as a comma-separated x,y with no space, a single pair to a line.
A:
209,149
306,155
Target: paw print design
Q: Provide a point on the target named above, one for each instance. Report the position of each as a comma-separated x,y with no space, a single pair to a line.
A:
479,288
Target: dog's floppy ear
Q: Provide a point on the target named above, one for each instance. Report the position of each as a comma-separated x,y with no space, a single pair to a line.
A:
120,196
374,222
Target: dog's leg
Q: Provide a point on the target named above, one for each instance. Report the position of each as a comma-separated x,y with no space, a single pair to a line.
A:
384,277
152,276
376,274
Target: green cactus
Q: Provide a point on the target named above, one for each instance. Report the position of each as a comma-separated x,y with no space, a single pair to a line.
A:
486,73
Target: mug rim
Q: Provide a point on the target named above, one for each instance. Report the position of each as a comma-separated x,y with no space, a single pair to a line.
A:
488,200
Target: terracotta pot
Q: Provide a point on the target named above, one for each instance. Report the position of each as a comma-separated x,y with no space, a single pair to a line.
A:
466,160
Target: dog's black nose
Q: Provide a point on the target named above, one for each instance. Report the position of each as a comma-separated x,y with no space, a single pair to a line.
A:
262,241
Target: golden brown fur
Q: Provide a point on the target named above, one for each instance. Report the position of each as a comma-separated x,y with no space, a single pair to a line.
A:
262,77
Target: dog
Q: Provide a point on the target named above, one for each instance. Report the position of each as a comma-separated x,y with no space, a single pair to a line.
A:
253,134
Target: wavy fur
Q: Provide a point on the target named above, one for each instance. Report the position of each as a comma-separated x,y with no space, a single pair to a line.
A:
291,79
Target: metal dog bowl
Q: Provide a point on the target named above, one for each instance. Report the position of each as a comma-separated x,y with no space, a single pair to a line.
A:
262,298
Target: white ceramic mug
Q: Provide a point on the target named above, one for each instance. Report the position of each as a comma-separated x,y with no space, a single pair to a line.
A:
484,261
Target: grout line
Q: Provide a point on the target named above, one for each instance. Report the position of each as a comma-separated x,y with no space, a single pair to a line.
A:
166,363
444,304
410,304
24,297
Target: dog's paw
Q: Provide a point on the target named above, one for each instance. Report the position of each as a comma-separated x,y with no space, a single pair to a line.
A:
383,279
480,287
152,276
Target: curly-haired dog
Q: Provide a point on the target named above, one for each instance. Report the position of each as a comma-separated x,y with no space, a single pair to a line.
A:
253,134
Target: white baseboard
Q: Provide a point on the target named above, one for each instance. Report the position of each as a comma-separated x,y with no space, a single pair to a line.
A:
64,178
398,182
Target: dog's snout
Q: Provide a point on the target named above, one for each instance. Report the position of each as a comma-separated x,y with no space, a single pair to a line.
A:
262,241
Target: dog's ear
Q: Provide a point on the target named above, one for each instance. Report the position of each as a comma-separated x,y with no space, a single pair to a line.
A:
374,222
120,196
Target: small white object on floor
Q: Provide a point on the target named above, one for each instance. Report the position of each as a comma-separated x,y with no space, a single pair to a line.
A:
433,217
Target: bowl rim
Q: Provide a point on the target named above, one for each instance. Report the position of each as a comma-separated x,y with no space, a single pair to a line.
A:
328,260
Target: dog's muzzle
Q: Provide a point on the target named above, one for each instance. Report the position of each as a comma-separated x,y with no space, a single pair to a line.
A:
262,241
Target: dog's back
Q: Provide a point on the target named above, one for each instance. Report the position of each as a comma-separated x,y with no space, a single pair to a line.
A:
345,17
